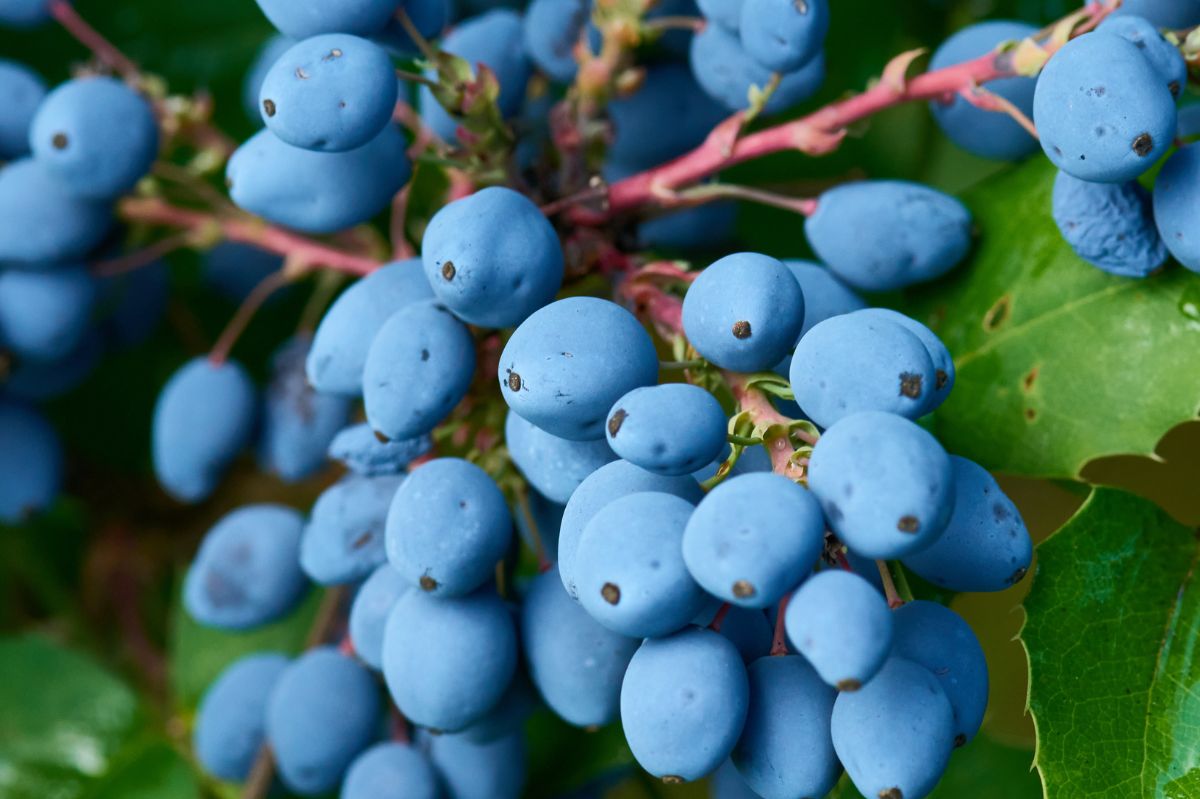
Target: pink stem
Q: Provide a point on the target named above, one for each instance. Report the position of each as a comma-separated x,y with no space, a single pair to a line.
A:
143,257
249,230
889,586
245,313
719,619
89,37
779,644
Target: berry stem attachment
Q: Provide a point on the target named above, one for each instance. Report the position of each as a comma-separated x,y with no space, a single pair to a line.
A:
889,586
698,195
133,261
105,51
539,548
427,50
675,23
719,619
779,645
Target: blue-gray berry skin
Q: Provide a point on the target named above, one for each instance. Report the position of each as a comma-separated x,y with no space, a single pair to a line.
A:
544,516
247,570
31,462
470,770
726,13
23,14
1176,197
21,91
1163,13
629,569
507,716
554,466
317,192
41,222
786,749
704,227
372,605
1162,55
360,451
744,312
302,18
331,93
96,135
391,769
783,35
32,381
672,429
567,364
606,484
340,345
447,527
895,735
44,314
842,625
231,719
753,538
433,659
882,235
492,258
944,372
726,783
668,115
861,362
986,546
266,56
727,72
575,662
748,629
825,294
1102,110
986,133
1109,225
418,369
551,30
203,418
937,638
323,711
885,484
683,704
344,538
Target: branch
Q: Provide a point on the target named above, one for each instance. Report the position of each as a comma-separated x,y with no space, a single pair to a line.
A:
305,252
822,131
104,50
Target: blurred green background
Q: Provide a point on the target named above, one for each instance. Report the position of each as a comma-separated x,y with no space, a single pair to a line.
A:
100,672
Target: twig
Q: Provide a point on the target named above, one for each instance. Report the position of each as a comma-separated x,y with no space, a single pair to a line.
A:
416,77
104,50
779,644
133,261
539,548
427,50
674,23
698,195
719,619
894,599
245,312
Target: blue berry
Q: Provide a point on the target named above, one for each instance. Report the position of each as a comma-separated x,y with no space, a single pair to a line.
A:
22,14
552,465
707,226
247,570
204,416
783,35
418,369
472,770
96,135
575,662
842,626
988,134
322,713
232,716
606,484
1176,192
370,610
940,640
233,269
30,462
492,257
447,661
726,13
429,17
753,538
42,380
744,312
885,484
895,735
567,364
683,704
944,372
447,527
1109,225
340,345
1103,112
41,221
21,92
136,303
546,517
672,429
786,749
507,716
666,116
332,93
861,361
726,72
302,18
360,451
268,53
45,314
344,538
726,783
749,630
389,770
317,192
298,422
1163,13
825,295
882,235
1164,56
629,569
552,29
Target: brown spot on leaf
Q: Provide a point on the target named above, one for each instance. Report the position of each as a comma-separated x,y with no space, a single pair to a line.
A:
997,314
1030,414
1029,379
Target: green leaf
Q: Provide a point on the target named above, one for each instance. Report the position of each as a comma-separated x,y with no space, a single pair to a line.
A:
153,771
563,758
1112,624
1058,363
